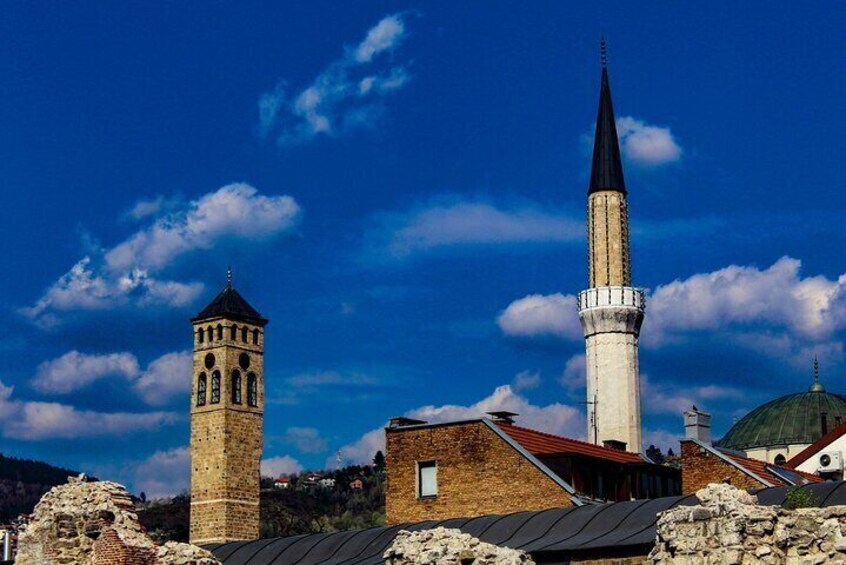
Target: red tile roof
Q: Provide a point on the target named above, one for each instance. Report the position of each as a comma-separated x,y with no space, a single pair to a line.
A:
760,469
540,443
817,446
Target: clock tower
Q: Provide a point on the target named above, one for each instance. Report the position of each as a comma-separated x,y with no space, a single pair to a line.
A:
227,410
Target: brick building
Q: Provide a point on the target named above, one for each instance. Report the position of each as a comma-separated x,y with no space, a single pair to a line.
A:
703,463
492,466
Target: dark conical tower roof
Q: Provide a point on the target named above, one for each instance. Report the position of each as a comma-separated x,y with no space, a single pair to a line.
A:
607,170
231,305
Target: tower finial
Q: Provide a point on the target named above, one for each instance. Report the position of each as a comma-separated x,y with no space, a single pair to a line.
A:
603,50
817,386
229,276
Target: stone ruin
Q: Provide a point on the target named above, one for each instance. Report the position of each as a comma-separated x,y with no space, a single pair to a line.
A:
446,546
729,527
93,523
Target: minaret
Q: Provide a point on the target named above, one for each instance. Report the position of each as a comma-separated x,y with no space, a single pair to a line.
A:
227,409
611,310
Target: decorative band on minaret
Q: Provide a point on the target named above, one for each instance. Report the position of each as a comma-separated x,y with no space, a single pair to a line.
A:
611,310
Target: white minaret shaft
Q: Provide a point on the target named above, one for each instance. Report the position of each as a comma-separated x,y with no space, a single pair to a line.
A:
611,310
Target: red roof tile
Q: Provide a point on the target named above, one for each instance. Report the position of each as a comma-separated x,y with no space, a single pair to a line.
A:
540,443
817,446
759,468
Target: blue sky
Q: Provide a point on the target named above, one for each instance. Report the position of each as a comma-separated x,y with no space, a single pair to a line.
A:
400,188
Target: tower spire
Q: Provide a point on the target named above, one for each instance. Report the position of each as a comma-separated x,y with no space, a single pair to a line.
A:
607,168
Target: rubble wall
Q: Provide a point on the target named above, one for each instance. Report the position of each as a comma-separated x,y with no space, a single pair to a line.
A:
729,527
93,523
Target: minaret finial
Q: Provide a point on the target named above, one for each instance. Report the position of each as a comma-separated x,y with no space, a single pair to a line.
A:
816,369
229,276
603,50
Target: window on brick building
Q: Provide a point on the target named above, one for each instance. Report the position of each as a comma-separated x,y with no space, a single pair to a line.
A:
215,392
219,332
233,333
236,387
427,479
244,334
201,390
252,390
780,459
255,337
200,335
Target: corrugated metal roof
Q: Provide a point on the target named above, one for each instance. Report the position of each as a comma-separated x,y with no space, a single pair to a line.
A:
547,534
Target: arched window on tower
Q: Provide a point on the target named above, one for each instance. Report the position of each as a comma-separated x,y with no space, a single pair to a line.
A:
215,393
244,334
219,332
211,334
255,337
201,390
233,332
236,387
252,390
201,335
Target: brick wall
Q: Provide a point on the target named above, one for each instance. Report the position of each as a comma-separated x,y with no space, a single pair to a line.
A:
478,473
701,468
109,549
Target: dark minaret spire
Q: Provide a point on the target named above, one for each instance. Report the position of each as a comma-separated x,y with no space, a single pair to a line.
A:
607,170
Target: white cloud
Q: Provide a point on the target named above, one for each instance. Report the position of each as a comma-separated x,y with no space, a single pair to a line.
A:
446,224
28,420
146,208
666,398
164,474
778,297
122,276
387,34
527,380
574,377
553,418
345,96
277,466
305,440
663,439
164,378
74,370
539,315
645,144
773,310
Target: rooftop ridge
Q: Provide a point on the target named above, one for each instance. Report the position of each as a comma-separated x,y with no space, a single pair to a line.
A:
608,450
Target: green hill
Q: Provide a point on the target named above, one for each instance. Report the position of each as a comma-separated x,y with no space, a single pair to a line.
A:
23,482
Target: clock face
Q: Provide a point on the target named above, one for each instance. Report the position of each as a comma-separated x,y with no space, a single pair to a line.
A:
210,360
244,361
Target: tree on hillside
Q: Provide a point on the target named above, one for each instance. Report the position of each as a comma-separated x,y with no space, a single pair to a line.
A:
379,461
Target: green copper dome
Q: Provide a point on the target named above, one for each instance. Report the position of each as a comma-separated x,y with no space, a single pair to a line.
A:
789,420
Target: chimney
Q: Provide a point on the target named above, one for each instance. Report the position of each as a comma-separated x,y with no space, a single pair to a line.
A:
697,425
502,417
614,444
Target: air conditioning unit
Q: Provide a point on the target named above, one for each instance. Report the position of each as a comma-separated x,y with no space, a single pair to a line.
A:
829,462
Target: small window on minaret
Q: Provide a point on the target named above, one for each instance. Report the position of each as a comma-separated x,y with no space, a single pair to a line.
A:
215,392
236,387
252,390
201,390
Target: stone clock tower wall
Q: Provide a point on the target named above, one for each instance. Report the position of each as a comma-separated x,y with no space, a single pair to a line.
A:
227,408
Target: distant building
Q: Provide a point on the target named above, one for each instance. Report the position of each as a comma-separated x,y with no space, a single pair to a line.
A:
491,466
780,429
282,483
825,456
327,482
703,463
356,484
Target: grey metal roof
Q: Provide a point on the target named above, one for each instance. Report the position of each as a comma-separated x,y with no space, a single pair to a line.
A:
551,535
607,168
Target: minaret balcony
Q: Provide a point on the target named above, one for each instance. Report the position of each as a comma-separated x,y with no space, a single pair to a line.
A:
605,296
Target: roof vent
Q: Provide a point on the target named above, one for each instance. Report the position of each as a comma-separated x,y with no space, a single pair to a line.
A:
615,444
402,422
502,417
